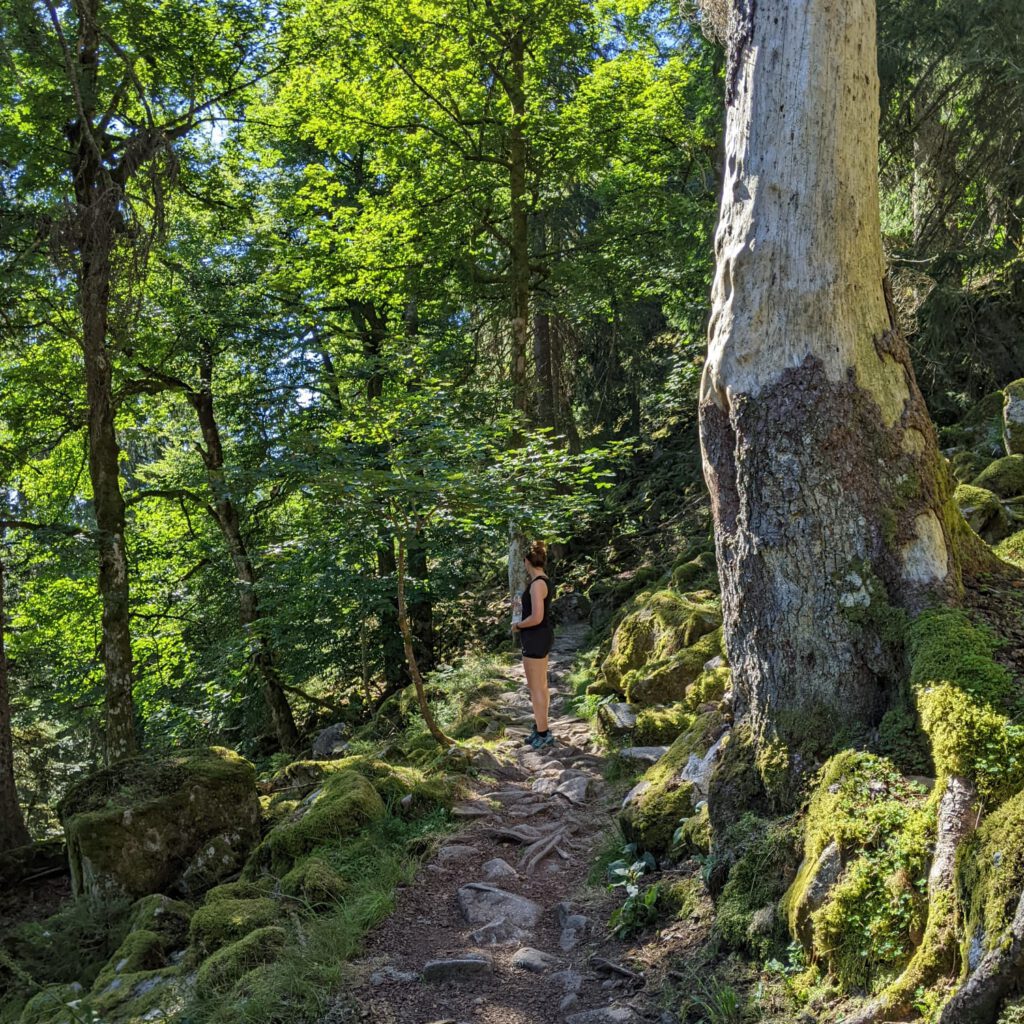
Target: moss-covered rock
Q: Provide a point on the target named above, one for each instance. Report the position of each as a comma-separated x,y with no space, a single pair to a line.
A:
858,900
220,971
1004,477
983,511
1012,1012
55,1004
1012,549
142,996
967,464
657,628
665,797
315,882
224,921
766,855
664,680
656,726
710,685
133,826
345,802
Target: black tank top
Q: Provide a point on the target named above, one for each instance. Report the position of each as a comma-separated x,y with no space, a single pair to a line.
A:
528,603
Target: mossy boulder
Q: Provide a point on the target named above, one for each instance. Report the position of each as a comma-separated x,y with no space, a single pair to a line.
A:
967,464
1013,417
1004,477
220,971
661,724
983,511
1012,549
141,996
669,679
868,838
666,795
133,828
315,882
657,628
224,921
54,1004
344,803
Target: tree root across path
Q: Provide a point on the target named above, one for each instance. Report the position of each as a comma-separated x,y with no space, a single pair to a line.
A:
937,955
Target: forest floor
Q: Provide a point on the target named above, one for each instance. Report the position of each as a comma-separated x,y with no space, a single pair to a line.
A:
500,926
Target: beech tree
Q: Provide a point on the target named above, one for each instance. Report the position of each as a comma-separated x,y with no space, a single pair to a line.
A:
831,501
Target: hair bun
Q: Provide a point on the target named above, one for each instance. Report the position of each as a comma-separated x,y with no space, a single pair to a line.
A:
537,554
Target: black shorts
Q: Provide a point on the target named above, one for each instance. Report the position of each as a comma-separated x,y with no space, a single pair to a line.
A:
536,641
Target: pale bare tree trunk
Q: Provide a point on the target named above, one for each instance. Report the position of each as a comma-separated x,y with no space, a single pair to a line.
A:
830,499
519,253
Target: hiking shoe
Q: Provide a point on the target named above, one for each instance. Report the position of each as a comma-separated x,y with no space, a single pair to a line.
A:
540,742
528,742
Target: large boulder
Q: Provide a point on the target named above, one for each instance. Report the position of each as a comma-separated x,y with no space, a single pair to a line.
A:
983,511
660,647
161,824
1004,477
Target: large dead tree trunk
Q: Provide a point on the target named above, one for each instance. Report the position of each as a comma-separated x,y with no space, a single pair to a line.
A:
97,218
12,823
831,502
262,657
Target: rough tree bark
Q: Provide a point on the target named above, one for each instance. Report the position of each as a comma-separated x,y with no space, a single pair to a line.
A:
97,218
12,823
831,501
262,657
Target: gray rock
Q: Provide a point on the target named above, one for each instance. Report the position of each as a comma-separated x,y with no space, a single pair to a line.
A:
534,960
617,719
568,980
698,769
568,1002
471,809
499,932
574,790
643,755
635,793
546,787
606,1015
463,968
716,662
331,742
498,868
825,875
481,903
455,852
1013,417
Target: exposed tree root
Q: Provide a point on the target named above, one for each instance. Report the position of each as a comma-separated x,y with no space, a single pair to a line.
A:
936,957
978,999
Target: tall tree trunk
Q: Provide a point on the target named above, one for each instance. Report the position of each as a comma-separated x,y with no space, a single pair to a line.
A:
97,218
544,360
519,254
410,653
12,824
831,502
262,657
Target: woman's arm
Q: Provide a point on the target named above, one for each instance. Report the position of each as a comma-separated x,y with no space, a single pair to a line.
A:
537,615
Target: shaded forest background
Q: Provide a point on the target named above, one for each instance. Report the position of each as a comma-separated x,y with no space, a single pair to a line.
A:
372,275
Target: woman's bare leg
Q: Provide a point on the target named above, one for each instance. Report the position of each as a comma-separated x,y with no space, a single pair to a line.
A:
537,682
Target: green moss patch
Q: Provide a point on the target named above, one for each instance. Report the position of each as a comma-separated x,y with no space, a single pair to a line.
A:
983,511
656,726
663,799
230,963
1004,477
660,681
224,921
859,899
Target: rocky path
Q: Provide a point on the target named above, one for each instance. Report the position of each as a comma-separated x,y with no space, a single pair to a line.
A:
492,930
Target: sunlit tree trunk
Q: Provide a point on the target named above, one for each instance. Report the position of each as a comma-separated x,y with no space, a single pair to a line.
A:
830,499
97,217
519,252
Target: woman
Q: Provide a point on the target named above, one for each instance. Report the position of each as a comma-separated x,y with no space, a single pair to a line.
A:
536,636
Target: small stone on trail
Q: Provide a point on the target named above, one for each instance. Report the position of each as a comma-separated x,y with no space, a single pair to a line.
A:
535,960
574,790
498,932
606,1015
455,852
481,903
643,755
498,868
458,969
568,980
471,809
617,719
389,973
